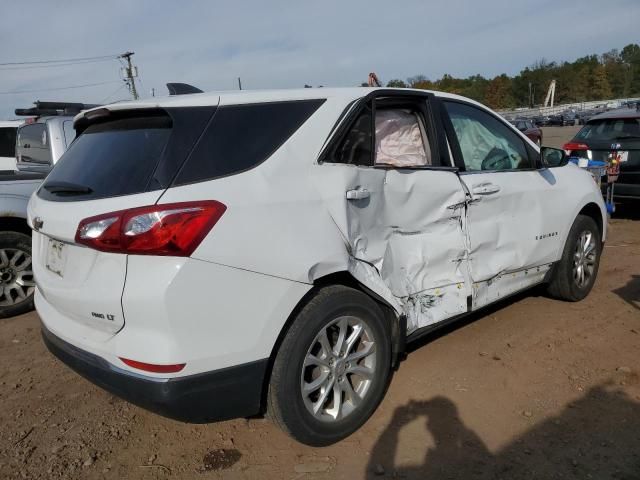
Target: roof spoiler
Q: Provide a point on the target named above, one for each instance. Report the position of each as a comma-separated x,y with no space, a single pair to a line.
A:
54,108
182,89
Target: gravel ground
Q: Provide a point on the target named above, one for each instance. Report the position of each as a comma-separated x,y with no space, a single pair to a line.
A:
532,388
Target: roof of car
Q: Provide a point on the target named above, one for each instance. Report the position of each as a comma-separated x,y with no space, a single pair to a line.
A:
11,123
617,113
239,97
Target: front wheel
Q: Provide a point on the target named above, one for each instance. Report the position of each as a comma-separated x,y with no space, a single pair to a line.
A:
16,274
576,271
332,368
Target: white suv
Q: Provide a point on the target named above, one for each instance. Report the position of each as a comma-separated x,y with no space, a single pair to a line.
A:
212,256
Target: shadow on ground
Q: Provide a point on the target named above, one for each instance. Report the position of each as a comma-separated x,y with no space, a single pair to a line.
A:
630,292
596,437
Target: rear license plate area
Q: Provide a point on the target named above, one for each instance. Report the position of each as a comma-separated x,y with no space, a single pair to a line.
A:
56,258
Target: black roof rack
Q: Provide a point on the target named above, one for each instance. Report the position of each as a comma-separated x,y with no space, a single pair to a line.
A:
43,109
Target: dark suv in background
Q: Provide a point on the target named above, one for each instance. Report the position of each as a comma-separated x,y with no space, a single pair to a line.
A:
613,131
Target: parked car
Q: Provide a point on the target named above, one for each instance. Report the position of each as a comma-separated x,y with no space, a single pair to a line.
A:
541,120
563,119
614,132
212,256
41,140
527,127
8,131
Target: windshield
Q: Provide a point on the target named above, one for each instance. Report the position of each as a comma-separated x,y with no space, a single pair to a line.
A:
610,129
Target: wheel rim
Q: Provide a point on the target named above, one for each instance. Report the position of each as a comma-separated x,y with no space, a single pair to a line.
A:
339,369
16,276
584,259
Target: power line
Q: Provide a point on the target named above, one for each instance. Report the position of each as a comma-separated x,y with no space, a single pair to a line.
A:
52,65
113,93
58,88
59,61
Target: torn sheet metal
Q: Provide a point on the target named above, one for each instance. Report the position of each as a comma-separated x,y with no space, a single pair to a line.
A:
404,241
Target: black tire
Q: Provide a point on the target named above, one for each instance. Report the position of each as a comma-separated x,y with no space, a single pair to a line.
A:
286,403
563,284
13,243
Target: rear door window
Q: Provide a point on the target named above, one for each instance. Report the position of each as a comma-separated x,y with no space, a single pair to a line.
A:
401,139
241,137
33,144
116,157
8,141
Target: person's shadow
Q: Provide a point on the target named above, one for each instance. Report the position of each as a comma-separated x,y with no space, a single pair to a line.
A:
630,293
596,437
455,444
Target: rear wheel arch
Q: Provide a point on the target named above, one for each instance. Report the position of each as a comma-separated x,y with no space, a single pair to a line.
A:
342,278
14,224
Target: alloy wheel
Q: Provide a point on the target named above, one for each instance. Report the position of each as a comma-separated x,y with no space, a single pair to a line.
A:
584,259
339,369
16,276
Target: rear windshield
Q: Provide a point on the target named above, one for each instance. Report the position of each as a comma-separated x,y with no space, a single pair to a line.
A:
610,129
33,144
8,141
113,158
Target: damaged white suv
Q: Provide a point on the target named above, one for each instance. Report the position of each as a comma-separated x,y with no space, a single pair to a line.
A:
211,256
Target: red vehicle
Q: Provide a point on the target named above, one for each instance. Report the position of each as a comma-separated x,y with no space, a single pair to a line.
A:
527,127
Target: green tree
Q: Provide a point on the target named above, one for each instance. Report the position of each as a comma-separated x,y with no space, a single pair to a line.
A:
600,88
396,83
630,56
498,93
419,81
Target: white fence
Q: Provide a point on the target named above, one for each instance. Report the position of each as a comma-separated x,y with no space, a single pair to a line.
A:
578,106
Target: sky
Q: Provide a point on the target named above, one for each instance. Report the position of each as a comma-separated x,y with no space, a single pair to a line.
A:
285,44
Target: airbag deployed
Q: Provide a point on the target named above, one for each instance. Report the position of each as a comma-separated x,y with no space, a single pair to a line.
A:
399,139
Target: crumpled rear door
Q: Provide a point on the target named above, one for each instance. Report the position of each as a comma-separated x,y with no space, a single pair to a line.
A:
405,235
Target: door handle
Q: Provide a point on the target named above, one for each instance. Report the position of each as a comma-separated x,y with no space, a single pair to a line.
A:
485,189
358,194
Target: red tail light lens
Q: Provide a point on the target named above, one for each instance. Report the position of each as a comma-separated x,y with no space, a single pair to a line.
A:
170,229
568,147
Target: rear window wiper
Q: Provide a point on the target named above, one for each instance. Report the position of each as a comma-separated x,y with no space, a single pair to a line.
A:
67,188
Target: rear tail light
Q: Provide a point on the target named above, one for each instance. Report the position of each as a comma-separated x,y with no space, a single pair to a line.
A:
170,229
568,147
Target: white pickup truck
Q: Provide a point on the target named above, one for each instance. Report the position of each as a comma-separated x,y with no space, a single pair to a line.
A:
39,143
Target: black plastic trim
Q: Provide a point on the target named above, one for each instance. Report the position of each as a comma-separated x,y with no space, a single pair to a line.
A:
205,397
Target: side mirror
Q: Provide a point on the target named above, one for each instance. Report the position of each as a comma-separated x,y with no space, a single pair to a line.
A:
552,157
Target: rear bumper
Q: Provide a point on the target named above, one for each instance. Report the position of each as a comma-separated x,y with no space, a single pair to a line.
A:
204,397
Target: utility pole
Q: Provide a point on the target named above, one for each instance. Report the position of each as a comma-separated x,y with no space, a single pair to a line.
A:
130,72
239,84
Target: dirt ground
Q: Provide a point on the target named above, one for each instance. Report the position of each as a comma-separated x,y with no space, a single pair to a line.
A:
533,388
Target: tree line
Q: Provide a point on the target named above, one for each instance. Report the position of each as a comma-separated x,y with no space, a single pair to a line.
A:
615,74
